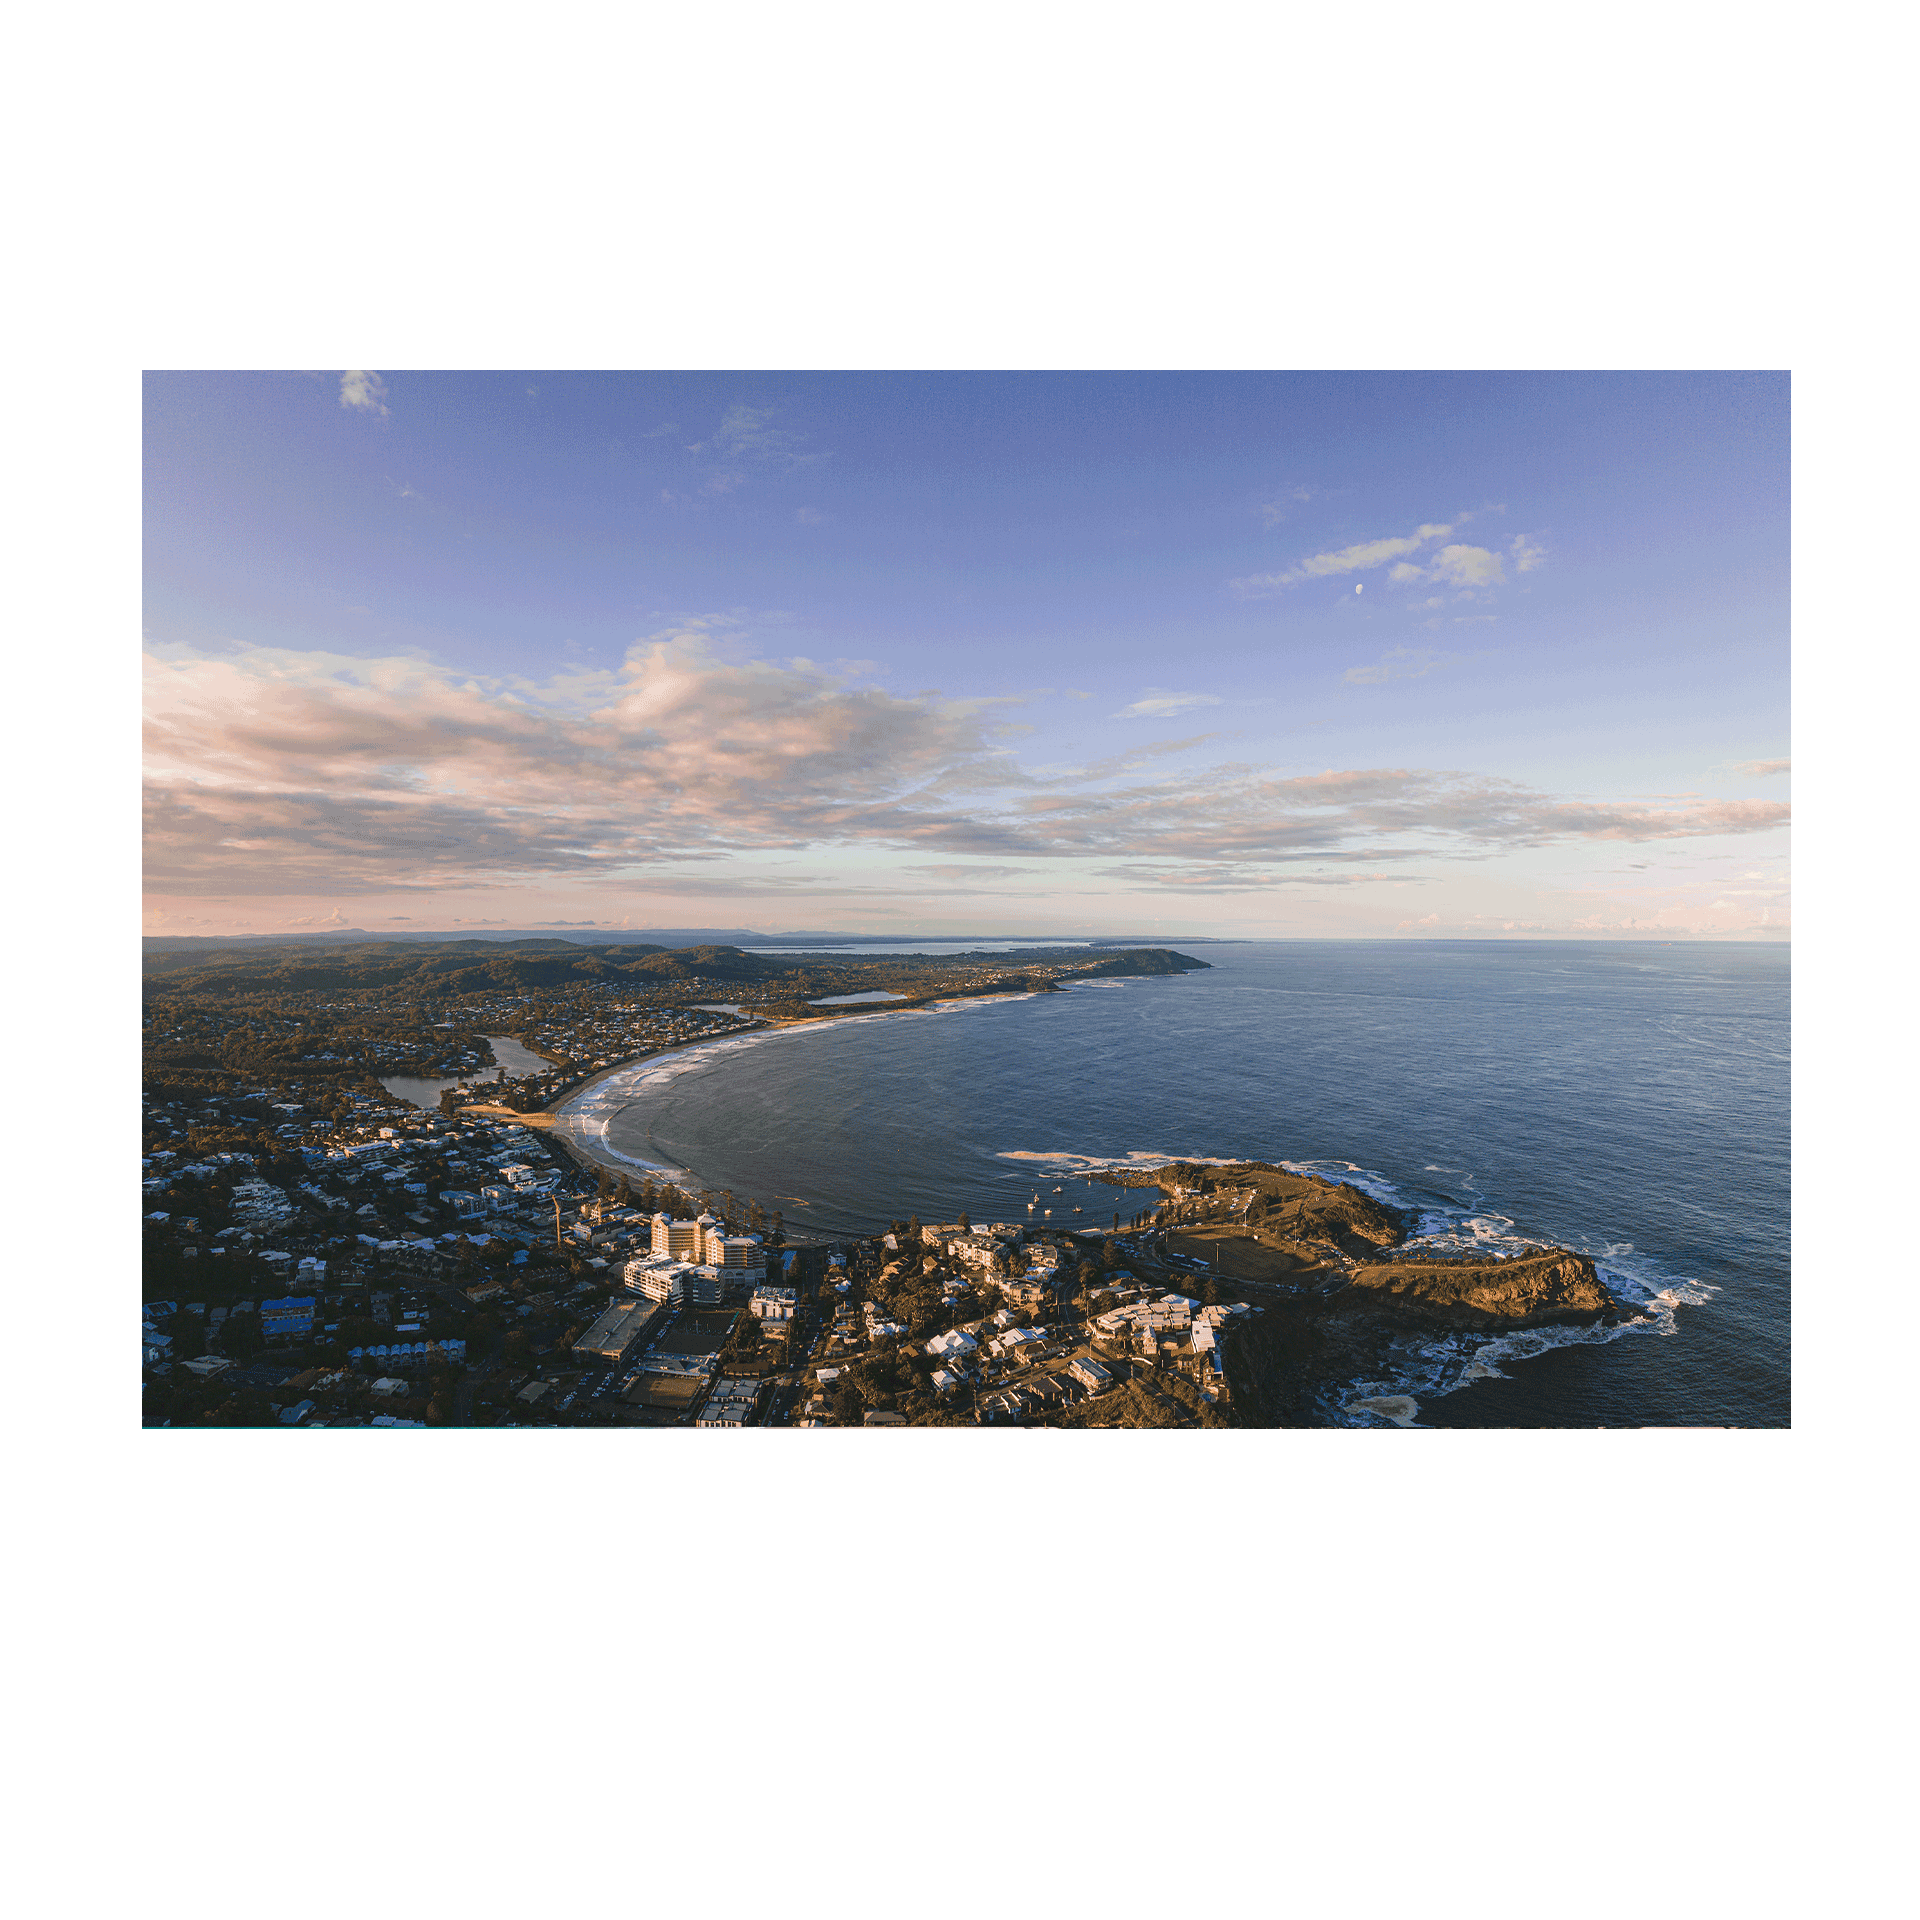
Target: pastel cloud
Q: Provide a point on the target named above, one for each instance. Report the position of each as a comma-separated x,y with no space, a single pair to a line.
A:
1763,769
282,774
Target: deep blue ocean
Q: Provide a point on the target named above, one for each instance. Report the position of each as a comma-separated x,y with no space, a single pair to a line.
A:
1626,1100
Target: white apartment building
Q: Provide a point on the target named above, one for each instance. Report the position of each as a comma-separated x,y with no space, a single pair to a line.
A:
773,1303
658,1276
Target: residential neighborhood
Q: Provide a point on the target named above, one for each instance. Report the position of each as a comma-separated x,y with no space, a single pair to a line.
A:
356,1212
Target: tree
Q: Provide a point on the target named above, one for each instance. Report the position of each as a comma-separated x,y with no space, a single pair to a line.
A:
966,1225
240,1335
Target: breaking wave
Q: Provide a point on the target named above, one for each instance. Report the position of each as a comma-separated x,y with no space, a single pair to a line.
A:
1430,1366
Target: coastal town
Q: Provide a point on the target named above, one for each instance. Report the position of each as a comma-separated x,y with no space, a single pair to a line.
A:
335,1236
364,1205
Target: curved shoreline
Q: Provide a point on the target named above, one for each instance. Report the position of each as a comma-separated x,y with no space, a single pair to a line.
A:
1417,1364
587,1141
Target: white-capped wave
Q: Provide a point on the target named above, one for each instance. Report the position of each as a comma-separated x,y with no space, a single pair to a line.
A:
1397,1409
1376,1186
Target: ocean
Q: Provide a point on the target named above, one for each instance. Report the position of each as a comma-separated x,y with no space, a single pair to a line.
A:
1626,1100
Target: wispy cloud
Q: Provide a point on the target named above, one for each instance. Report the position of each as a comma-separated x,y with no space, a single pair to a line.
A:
1275,511
1764,769
1458,568
1158,703
1360,558
279,773
746,439
363,391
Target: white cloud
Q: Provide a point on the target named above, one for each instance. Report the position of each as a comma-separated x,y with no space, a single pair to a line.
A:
1468,567
1763,769
1527,554
1157,703
363,391
1355,559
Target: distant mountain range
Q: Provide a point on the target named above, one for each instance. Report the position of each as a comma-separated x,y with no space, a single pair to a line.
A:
646,936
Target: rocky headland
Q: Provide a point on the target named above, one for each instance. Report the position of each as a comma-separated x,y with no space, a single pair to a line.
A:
1339,1283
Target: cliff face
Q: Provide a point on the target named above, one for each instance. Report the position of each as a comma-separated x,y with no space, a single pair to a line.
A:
1551,1288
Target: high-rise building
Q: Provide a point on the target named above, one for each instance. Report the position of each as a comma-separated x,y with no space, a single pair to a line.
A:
684,1239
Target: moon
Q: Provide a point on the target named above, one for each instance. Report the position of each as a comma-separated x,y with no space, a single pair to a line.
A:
1361,588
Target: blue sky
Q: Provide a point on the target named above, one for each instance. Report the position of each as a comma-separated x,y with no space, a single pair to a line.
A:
1368,654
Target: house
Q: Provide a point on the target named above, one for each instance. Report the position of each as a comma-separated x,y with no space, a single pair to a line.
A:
874,1417
1014,1339
951,1345
1090,1374
944,1380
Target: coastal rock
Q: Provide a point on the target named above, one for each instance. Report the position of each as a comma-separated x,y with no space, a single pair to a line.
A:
1551,1288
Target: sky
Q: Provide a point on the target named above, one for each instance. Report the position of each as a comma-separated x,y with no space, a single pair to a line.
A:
1333,655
